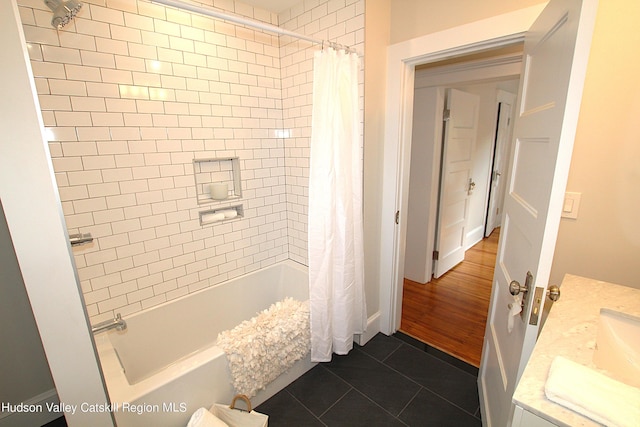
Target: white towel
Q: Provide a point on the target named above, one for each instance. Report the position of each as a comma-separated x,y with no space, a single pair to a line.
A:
212,217
593,394
204,418
229,213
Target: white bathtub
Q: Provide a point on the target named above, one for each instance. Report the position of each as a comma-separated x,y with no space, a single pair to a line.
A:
171,364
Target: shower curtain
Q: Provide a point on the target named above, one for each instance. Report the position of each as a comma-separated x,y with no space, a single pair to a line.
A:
336,254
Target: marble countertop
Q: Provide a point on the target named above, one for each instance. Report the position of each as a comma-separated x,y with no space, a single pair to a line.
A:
570,331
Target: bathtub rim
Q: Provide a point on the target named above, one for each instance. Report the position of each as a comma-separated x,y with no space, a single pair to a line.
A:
119,389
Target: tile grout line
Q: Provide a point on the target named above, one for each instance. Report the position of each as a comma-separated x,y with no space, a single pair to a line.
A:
432,391
383,362
417,383
352,387
410,400
305,407
438,358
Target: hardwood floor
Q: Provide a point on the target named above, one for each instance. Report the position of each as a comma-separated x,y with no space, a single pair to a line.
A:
450,313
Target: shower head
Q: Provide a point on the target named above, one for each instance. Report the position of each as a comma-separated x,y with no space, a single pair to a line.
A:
63,11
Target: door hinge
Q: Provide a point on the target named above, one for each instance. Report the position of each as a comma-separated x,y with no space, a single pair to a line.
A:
397,217
446,114
435,256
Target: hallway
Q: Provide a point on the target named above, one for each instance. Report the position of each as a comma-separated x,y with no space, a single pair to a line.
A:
450,313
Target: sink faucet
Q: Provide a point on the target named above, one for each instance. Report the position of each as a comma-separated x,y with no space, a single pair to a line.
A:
118,324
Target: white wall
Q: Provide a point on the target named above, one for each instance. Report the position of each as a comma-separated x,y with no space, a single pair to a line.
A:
414,18
604,241
342,22
377,28
428,105
131,93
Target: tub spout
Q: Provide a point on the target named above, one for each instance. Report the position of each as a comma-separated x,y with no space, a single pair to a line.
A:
118,324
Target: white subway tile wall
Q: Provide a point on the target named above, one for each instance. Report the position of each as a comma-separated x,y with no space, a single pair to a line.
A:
131,92
340,21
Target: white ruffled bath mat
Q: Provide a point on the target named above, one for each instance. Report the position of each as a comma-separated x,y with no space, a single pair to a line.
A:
262,348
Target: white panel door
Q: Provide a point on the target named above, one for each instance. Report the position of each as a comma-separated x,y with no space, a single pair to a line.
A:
500,161
555,59
456,182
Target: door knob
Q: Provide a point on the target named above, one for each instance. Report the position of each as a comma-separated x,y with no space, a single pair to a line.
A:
553,293
515,287
472,185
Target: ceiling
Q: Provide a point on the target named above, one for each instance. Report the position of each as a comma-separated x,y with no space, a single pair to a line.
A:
276,6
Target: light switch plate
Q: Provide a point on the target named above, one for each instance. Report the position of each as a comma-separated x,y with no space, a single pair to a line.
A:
571,205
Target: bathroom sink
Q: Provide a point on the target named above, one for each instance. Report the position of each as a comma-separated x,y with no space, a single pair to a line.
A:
618,346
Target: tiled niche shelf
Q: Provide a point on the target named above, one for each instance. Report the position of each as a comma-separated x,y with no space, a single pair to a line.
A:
217,215
217,170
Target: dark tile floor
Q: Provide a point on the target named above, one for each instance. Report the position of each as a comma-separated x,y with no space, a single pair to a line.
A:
391,381
58,422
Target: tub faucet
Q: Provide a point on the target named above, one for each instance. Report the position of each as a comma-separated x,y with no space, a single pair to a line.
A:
118,324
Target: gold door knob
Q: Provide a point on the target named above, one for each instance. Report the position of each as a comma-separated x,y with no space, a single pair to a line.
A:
515,287
553,293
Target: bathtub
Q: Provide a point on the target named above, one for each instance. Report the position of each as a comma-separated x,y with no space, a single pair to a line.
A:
166,365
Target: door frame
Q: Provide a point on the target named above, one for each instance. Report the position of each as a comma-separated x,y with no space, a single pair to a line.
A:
402,58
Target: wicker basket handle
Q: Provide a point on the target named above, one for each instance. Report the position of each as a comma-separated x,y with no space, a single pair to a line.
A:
242,397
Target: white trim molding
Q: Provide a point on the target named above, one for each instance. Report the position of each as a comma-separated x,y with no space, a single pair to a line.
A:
373,327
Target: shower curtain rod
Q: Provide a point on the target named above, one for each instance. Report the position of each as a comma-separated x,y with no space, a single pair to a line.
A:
202,10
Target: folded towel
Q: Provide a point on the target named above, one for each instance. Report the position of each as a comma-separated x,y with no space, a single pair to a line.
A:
593,394
229,213
204,418
212,217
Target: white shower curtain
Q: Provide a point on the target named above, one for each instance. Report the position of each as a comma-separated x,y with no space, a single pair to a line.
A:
336,258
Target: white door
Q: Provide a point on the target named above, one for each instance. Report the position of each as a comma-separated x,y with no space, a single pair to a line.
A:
555,60
456,183
500,161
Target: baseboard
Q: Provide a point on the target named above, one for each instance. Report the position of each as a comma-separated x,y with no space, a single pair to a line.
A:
373,327
474,236
38,416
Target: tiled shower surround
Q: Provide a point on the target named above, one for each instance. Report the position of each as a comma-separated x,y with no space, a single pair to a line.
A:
132,92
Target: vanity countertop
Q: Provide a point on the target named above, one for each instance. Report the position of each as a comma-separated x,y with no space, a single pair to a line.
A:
570,331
